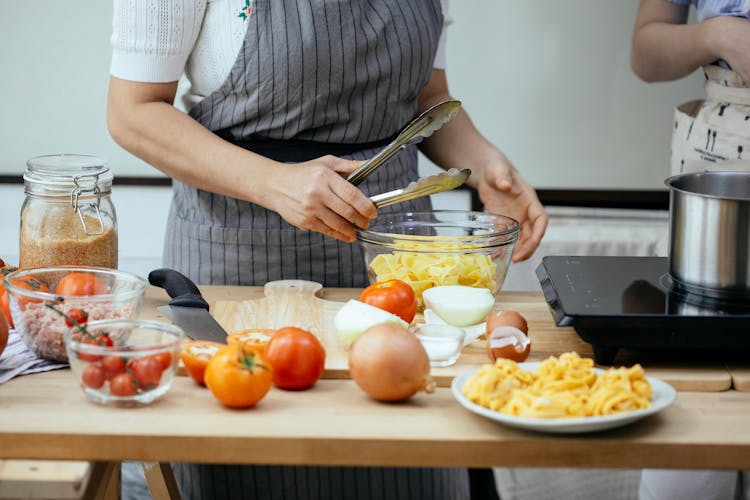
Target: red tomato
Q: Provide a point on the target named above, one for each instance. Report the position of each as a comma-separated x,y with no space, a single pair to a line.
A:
112,365
93,376
123,384
195,356
238,376
147,371
76,317
394,296
165,359
81,283
297,358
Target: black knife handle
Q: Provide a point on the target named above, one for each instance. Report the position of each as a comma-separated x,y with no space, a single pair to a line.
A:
183,291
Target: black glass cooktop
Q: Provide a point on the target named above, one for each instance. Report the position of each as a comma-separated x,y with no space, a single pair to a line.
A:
631,302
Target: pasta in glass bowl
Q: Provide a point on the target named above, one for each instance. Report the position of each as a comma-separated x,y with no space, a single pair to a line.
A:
440,247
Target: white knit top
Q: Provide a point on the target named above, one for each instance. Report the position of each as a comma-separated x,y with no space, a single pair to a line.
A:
197,40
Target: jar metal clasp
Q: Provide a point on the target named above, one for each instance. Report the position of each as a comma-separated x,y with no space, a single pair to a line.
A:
86,191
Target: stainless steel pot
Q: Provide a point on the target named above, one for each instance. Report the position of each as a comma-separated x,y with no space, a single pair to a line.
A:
710,233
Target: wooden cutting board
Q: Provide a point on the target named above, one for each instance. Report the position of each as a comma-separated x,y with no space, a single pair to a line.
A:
307,305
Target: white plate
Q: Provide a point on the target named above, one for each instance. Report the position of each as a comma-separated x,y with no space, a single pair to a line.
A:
663,396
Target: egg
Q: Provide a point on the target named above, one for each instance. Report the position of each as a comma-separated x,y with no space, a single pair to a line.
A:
507,336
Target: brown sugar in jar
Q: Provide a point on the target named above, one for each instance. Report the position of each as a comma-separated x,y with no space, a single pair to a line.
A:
68,217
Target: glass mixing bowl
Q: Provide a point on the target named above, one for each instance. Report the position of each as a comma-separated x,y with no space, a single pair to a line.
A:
440,247
39,298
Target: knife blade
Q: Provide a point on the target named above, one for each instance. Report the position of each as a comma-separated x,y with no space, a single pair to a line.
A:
187,309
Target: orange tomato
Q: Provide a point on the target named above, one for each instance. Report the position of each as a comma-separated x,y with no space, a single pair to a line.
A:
257,337
3,333
81,283
395,296
297,358
31,283
238,376
195,356
4,305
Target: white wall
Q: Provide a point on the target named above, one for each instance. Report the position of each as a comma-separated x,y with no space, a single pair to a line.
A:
549,82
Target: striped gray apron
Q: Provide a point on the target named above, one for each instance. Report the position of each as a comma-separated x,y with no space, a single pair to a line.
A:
313,77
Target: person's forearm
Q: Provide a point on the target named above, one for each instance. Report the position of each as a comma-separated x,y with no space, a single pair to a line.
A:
183,149
663,51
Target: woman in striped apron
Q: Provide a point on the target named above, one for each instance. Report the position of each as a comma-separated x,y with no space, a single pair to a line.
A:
258,164
712,134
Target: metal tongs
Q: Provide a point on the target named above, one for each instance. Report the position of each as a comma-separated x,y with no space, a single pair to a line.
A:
443,181
419,128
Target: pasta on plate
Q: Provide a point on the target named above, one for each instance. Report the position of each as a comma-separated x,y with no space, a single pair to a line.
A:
563,387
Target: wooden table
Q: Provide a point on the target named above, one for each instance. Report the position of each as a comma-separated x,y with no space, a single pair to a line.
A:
46,416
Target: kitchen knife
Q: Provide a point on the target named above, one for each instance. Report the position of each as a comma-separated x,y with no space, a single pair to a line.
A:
187,309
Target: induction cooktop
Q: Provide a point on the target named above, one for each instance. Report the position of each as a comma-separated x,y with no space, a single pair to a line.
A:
631,302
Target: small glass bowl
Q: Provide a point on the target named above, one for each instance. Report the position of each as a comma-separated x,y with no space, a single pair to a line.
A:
137,369
443,343
440,247
32,293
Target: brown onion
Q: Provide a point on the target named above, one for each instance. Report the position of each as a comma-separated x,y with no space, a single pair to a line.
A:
389,363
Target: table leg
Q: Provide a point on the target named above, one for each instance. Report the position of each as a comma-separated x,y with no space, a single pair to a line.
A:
161,481
104,483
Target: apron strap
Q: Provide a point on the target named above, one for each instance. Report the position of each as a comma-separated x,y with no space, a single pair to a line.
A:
717,92
298,150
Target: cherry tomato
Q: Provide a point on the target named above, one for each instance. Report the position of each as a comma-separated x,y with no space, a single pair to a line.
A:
257,337
297,358
195,356
93,376
165,359
394,296
76,317
147,371
102,339
112,365
123,384
238,376
81,283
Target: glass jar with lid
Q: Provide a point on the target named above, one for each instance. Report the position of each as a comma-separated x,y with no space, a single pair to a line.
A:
68,217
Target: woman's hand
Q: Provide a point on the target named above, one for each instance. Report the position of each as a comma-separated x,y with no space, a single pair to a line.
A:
730,37
315,196
503,191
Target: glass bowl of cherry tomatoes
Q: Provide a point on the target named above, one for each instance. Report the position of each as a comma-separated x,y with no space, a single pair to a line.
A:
45,302
125,362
